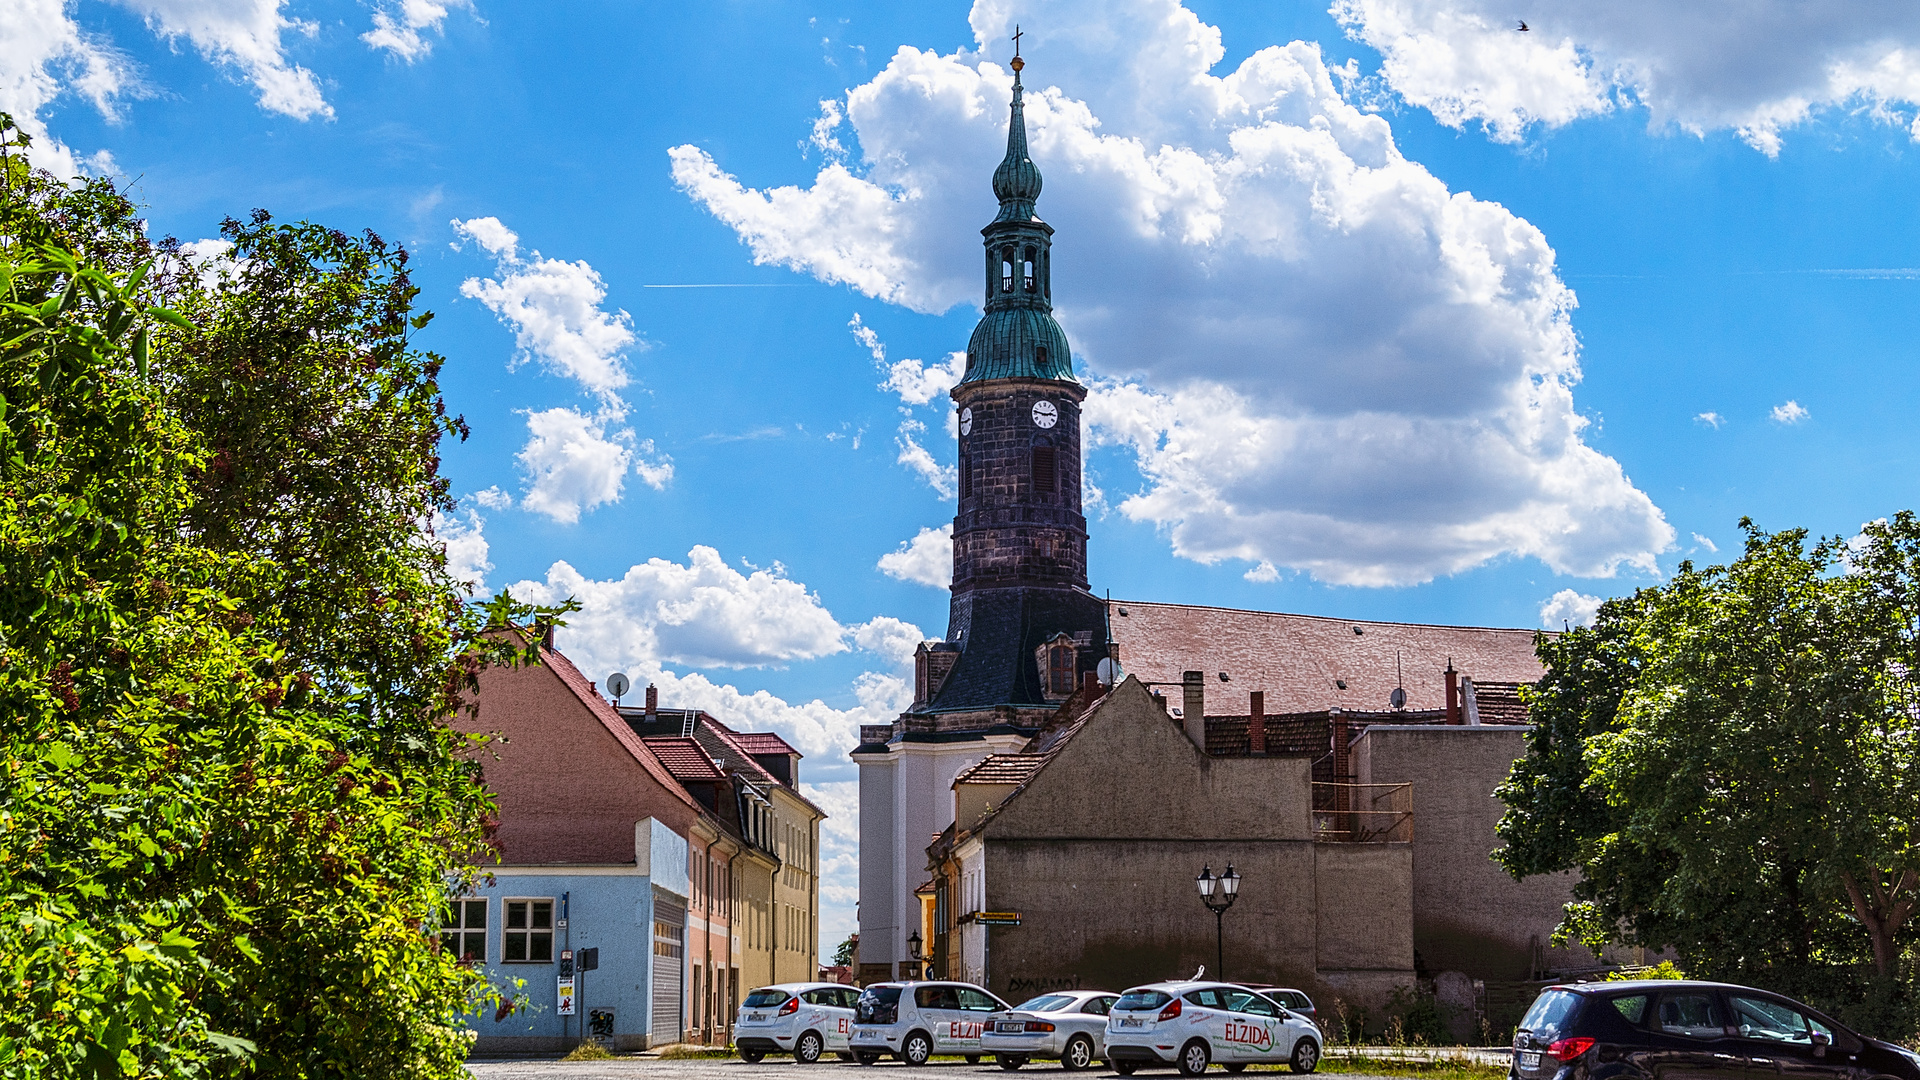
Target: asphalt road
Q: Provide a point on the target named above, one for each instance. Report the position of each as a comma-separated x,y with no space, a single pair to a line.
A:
785,1069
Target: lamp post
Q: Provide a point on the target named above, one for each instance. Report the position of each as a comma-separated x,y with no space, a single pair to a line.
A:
1218,894
913,951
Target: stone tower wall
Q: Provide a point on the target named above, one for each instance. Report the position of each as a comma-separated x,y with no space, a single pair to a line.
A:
1006,532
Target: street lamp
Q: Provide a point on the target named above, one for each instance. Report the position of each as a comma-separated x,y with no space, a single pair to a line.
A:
1218,894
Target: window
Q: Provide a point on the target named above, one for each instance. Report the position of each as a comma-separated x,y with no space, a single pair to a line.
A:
1249,1002
974,1001
1206,999
1045,1003
1141,1000
464,931
1693,1015
1006,275
1099,1006
1549,1011
1040,357
936,997
1060,669
1759,1018
528,938
1027,270
1043,468
966,477
1632,1006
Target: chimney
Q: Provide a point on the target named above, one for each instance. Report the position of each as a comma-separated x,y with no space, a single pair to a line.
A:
1257,723
1089,688
1453,693
546,634
1469,707
1193,715
653,702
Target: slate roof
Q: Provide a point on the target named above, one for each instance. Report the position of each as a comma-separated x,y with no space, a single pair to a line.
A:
762,742
998,630
685,759
1299,660
1001,769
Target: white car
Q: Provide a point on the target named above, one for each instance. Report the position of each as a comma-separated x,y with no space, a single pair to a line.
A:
914,1021
1194,1024
804,1019
1068,1026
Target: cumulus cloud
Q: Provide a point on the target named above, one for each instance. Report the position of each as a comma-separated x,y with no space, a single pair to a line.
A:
1755,67
1792,412
44,54
1320,357
1711,419
398,31
572,463
554,309
1702,541
466,547
1569,607
926,559
244,34
492,498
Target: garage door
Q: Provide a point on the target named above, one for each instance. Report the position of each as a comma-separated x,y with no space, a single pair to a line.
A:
669,963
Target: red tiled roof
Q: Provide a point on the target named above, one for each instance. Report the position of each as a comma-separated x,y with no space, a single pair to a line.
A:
1300,660
762,742
1001,769
603,711
685,759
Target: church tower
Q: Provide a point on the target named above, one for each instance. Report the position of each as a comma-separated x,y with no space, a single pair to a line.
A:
1023,625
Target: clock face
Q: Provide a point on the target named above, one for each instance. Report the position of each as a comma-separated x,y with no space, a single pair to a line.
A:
966,421
1045,414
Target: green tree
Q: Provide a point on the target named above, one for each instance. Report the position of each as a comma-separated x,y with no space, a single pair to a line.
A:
1729,761
231,808
844,952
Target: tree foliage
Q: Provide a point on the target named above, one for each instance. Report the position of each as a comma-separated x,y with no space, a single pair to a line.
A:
1730,762
231,809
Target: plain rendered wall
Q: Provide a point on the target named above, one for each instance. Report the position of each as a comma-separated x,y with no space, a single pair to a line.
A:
1469,915
1099,852
609,911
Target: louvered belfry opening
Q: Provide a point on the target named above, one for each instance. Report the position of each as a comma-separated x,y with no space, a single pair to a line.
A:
1044,471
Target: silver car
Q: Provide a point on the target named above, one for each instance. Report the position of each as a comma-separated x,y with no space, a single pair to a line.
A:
1069,1026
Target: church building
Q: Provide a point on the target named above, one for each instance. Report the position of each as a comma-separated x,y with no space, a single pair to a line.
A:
1349,766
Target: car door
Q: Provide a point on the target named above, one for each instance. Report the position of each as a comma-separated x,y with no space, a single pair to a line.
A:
1096,1009
1253,1027
939,1007
827,1014
975,1007
1692,1039
1781,1042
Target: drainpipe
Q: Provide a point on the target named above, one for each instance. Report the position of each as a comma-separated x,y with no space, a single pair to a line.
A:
728,995
1257,722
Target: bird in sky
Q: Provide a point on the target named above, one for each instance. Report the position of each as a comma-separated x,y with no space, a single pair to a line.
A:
1523,28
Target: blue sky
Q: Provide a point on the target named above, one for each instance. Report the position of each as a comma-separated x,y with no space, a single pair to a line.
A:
1424,319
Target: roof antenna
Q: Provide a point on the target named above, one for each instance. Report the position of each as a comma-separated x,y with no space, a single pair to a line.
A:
1398,699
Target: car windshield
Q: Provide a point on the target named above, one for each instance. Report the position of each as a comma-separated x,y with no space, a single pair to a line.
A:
1140,1000
1045,1003
880,995
760,999
1550,1010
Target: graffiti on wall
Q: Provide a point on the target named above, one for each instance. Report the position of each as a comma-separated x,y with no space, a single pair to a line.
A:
1020,986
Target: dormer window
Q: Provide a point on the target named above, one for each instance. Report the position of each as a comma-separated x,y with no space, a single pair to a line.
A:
1059,660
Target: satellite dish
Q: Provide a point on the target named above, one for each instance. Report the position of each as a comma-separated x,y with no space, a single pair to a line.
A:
1109,672
617,685
1397,699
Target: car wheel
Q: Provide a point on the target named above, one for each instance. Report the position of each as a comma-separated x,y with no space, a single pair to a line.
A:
1306,1056
1009,1062
917,1049
1078,1055
1194,1058
751,1057
807,1050
1124,1068
866,1057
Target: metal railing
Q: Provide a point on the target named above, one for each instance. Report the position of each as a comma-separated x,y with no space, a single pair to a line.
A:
1363,813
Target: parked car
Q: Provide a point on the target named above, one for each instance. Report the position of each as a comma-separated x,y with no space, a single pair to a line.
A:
1192,1025
804,1019
1660,1029
1069,1026
1290,999
914,1021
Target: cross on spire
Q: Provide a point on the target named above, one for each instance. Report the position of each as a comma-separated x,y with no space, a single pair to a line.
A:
1016,39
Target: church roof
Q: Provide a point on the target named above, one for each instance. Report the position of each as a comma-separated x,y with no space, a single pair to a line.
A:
1300,661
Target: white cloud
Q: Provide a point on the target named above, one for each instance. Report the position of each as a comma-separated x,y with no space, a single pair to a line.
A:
1755,67
572,463
492,498
244,34
553,307
868,338
1790,413
1343,367
1711,419
703,612
1567,606
1263,573
44,54
888,637
829,121
920,384
1701,541
941,478
466,549
398,32
927,558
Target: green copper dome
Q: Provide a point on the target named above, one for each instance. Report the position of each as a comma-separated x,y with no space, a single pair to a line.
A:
1017,337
